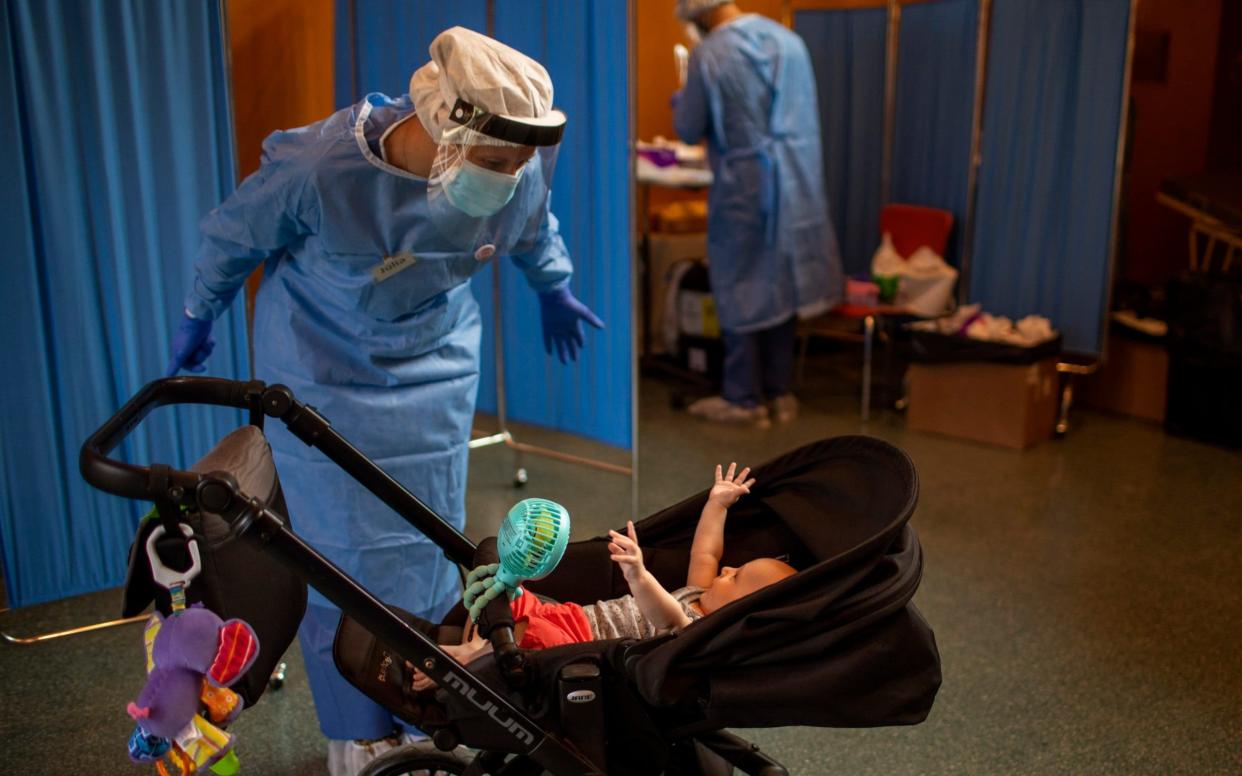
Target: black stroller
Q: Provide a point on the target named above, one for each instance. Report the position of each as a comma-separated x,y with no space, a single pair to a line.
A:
838,644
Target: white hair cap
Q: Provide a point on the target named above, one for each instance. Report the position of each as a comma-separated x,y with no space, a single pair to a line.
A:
687,10
485,73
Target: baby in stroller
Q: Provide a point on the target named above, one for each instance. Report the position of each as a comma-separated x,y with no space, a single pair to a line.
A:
649,609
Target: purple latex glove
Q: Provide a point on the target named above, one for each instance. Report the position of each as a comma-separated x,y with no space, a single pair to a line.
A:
192,343
562,315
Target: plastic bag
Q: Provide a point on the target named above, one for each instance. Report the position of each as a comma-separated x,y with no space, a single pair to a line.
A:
925,285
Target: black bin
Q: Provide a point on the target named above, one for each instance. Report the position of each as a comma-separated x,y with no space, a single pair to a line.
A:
1205,359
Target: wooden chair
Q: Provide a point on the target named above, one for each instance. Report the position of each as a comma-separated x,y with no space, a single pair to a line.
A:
911,227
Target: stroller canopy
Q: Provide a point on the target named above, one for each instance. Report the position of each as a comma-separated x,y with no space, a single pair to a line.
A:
838,644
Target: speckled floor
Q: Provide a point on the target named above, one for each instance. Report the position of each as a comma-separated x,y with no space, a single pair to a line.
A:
1085,595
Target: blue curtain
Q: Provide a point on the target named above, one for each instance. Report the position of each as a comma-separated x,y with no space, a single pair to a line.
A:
935,100
1054,87
114,140
390,40
584,46
848,53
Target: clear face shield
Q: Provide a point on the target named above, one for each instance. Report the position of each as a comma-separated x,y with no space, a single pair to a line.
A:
490,180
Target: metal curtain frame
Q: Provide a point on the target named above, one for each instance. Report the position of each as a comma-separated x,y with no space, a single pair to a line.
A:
227,58
891,46
891,63
1072,368
976,161
39,638
1123,127
504,436
636,277
892,42
982,32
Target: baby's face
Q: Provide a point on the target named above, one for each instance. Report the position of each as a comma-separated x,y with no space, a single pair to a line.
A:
734,582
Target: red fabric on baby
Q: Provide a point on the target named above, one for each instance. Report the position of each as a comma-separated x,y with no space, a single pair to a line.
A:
549,625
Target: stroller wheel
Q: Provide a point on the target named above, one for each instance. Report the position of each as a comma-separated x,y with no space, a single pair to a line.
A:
277,679
418,759
520,477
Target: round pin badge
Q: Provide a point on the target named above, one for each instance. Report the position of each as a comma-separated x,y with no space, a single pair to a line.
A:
485,252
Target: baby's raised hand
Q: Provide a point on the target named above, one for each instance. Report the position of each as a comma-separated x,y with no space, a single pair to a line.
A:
728,488
626,552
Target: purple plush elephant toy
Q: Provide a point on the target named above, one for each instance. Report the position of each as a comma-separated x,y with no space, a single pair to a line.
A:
192,658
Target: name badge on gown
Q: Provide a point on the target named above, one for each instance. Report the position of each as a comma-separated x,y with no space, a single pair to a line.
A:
393,264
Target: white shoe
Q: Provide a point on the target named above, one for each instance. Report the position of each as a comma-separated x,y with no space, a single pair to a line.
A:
785,408
348,758
718,410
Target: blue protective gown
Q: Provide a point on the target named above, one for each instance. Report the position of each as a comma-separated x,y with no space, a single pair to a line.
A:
772,251
392,360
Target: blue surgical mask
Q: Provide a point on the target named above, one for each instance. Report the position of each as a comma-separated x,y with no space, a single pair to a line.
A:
479,192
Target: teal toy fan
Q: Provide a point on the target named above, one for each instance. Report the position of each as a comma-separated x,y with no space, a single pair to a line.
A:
531,542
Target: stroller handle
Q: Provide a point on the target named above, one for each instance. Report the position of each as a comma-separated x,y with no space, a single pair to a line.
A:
156,483
125,479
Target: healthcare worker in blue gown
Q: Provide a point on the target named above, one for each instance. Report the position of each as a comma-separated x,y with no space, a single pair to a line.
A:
370,224
771,250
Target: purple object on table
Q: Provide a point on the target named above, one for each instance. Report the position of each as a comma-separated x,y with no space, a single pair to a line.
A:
660,157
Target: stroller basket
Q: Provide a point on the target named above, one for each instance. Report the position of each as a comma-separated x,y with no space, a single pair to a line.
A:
848,605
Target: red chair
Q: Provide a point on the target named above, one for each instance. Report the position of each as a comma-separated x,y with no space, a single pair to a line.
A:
911,227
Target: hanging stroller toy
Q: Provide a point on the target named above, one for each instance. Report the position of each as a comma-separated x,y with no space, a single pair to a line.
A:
192,658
